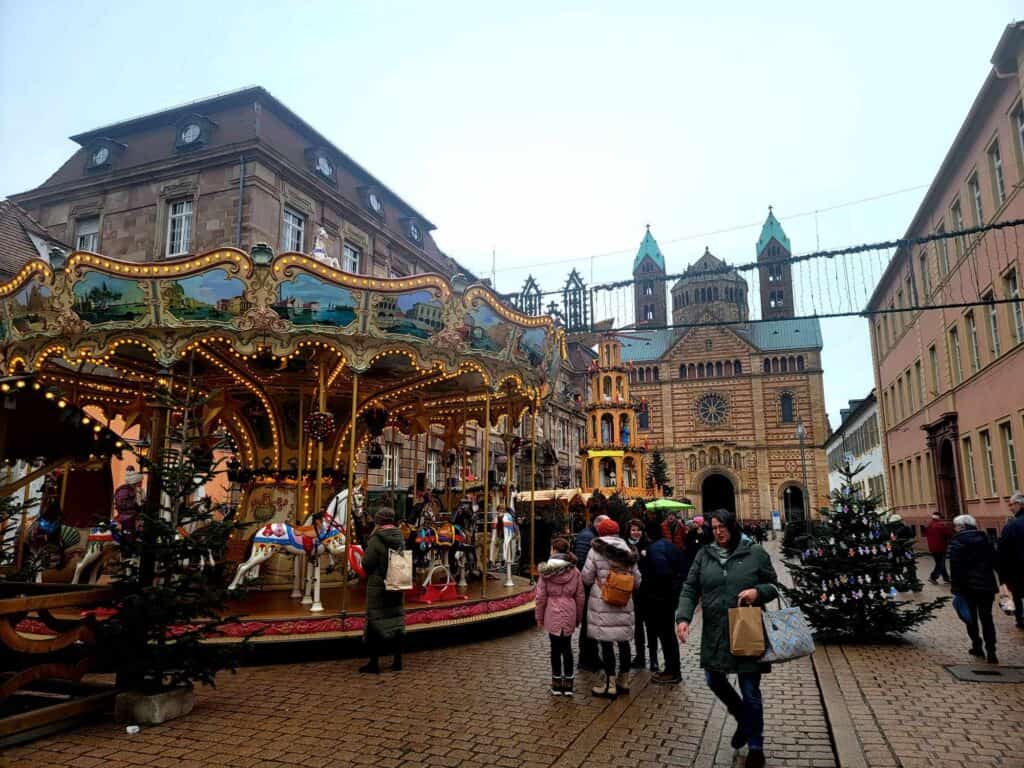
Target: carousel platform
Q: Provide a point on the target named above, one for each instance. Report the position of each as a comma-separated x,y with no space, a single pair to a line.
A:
271,618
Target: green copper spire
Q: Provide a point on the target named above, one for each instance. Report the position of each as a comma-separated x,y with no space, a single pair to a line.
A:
771,229
649,247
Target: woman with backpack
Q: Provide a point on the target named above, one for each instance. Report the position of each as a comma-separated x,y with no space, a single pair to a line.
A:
385,609
560,611
611,569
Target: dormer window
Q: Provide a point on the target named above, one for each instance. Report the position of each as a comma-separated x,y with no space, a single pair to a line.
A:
321,162
102,154
373,200
192,132
413,230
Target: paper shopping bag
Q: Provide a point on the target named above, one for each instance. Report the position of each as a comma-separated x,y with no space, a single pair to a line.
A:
746,631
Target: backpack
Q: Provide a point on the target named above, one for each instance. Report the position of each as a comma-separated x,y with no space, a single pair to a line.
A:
617,588
398,576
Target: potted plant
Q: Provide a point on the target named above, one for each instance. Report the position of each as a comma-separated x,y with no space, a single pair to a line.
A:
169,589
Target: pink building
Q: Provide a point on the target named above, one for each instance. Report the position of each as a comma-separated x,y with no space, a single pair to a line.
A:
950,380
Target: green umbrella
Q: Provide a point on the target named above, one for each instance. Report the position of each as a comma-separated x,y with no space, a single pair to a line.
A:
667,504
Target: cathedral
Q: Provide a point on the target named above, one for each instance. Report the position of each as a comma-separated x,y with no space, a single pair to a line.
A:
735,405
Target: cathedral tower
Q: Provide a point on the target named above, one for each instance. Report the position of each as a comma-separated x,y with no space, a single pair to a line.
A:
777,297
649,303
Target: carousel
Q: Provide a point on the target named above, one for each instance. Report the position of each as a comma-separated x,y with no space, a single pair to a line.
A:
300,369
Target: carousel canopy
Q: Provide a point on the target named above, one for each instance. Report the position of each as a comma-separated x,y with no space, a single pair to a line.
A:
267,340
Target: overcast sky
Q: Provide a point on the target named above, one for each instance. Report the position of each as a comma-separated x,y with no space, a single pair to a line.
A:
551,132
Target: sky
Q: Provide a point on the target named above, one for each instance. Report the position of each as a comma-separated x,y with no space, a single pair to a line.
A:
542,136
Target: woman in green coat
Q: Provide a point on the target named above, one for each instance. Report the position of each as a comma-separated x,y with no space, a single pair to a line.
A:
729,571
385,611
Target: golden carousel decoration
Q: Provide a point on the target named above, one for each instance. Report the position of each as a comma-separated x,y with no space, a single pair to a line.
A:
304,366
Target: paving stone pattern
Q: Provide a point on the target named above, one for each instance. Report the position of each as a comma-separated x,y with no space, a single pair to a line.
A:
487,705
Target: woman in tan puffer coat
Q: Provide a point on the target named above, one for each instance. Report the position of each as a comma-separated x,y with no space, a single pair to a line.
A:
606,623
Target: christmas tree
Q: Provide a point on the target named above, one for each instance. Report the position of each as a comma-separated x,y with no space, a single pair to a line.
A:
657,474
849,570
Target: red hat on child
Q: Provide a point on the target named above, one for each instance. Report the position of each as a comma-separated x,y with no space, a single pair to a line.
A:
607,527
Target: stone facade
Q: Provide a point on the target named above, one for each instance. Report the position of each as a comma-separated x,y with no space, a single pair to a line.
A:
949,380
726,396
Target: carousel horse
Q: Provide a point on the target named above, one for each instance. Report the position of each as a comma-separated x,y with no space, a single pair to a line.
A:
507,529
46,537
326,535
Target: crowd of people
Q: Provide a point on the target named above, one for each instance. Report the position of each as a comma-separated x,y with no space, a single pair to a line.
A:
643,585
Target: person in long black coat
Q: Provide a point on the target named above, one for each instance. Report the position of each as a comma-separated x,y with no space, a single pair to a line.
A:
972,564
385,610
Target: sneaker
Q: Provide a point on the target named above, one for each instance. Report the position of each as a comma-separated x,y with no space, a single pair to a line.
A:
556,686
755,759
568,686
666,678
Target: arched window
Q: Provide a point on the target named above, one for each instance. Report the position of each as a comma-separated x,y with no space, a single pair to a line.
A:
786,406
691,369
655,371
737,368
775,365
682,371
792,363
728,367
767,365
700,370
799,362
783,365
640,376
718,369
737,462
693,463
607,388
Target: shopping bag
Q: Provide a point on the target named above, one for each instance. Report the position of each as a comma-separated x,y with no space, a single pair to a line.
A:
788,636
1005,600
963,609
746,631
399,573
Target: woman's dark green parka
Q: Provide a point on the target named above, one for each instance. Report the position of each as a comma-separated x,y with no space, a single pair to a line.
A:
385,611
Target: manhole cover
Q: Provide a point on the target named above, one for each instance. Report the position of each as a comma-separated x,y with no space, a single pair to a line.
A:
986,674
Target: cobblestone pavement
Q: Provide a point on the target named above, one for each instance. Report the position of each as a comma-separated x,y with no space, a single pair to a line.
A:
487,705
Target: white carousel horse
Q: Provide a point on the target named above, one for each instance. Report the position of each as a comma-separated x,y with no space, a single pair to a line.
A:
320,250
326,536
507,533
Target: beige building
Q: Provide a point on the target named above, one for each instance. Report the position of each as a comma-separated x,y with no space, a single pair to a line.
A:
729,398
951,380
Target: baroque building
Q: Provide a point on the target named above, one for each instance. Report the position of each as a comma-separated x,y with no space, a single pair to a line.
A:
735,405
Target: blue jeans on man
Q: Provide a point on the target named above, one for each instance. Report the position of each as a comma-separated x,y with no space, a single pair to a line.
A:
746,706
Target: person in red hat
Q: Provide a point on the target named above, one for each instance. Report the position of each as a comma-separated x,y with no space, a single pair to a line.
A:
611,570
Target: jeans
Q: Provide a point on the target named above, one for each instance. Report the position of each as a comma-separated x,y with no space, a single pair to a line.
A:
748,710
608,657
561,655
981,609
940,567
640,611
661,628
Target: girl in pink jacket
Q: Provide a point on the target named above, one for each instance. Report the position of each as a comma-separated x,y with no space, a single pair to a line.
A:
560,611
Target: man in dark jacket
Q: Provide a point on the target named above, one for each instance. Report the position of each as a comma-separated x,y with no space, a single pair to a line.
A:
972,563
589,659
1011,555
938,534
663,580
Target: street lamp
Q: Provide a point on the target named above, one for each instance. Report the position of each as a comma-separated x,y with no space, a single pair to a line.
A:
801,435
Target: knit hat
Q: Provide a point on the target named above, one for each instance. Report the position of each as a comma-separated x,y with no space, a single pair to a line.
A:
607,527
699,520
384,516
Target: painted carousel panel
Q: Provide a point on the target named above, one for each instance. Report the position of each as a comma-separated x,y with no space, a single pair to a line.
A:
212,296
417,314
102,298
308,300
486,330
533,345
29,309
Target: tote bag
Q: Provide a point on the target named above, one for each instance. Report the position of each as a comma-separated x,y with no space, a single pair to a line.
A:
399,573
787,633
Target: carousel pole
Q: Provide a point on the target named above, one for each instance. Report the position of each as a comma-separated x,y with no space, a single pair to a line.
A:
299,468
487,488
350,510
533,494
318,492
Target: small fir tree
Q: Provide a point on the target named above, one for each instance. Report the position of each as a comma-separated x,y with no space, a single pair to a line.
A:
849,570
657,475
170,581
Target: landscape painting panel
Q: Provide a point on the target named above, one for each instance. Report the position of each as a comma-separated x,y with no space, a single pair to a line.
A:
307,300
100,298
